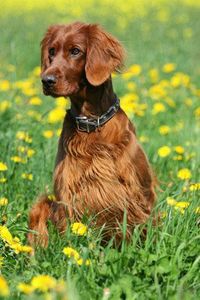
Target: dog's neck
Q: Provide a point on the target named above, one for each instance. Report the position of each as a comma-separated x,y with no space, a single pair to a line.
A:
94,101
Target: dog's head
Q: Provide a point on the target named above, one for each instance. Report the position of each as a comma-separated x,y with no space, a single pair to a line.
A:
77,53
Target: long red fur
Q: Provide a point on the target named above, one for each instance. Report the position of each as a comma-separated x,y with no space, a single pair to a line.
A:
103,173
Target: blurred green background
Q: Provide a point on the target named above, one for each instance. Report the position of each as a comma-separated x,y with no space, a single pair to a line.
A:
153,32
160,92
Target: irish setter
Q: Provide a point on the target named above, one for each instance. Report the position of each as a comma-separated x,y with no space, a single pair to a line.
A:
101,170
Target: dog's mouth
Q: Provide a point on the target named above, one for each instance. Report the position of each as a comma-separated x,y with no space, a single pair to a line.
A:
63,90
50,92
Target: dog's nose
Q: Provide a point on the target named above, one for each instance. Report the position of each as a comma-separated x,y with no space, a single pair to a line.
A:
48,80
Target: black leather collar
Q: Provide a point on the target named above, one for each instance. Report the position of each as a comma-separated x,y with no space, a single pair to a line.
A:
88,125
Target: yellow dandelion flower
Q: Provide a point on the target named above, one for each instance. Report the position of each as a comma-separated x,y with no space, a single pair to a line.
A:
169,67
43,282
5,234
184,174
4,289
3,201
178,157
22,135
22,84
35,101
16,245
129,98
127,75
29,91
182,204
61,102
179,149
17,159
180,79
80,262
30,152
197,112
16,239
25,288
129,105
21,149
70,252
157,92
27,176
164,151
135,70
175,81
36,71
164,129
194,187
171,201
3,167
28,140
48,134
26,249
4,105
3,180
79,228
56,115
4,85
158,107
87,262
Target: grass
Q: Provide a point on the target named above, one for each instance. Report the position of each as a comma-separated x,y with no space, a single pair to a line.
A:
166,264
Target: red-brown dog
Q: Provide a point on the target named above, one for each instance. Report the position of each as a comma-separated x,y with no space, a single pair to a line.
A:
101,170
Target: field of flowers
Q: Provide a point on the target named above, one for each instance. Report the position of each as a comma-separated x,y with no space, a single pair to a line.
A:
160,91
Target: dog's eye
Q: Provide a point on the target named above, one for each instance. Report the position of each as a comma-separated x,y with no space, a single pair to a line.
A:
74,51
52,51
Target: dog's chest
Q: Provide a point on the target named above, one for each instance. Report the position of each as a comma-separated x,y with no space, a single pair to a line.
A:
87,178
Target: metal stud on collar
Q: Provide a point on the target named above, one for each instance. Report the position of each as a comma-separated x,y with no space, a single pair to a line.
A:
88,125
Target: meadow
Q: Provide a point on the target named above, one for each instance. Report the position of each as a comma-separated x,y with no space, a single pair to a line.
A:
160,91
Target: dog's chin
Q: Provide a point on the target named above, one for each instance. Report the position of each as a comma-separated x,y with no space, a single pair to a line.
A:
53,94
65,92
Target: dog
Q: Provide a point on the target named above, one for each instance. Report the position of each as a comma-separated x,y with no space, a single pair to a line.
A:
101,170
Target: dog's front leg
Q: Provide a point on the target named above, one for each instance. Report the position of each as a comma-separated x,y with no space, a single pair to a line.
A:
40,213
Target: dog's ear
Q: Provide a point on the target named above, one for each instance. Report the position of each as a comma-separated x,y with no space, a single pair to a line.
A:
45,46
104,55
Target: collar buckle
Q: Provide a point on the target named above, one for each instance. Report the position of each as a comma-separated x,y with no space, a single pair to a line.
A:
85,124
